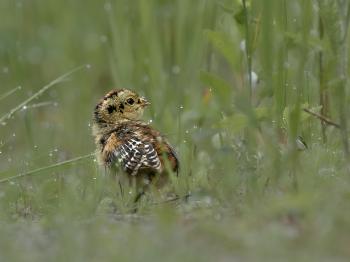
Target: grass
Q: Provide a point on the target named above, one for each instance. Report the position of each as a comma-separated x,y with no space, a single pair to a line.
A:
254,195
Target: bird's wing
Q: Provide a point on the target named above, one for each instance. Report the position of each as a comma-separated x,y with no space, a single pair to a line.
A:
135,154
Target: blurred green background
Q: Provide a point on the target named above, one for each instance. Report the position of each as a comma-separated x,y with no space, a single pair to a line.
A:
229,82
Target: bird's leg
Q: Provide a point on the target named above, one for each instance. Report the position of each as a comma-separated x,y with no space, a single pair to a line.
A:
121,189
138,196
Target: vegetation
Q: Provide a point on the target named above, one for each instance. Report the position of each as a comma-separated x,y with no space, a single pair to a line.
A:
233,84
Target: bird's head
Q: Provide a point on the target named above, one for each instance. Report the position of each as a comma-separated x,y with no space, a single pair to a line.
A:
118,105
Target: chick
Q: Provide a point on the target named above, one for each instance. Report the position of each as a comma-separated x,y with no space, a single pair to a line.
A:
126,142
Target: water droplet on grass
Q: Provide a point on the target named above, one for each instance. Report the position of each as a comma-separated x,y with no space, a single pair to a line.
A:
176,70
242,45
145,79
107,6
103,38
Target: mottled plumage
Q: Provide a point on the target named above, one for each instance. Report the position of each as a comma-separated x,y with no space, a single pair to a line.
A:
124,141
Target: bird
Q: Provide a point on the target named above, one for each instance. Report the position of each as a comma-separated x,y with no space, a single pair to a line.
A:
126,143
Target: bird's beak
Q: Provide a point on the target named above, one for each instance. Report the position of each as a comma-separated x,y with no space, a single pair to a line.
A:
144,102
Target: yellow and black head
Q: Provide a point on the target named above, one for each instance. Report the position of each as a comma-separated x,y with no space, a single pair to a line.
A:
117,105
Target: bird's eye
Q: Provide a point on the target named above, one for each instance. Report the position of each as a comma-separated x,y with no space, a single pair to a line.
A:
130,101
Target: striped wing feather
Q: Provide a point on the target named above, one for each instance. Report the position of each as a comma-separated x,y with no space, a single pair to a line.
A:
135,154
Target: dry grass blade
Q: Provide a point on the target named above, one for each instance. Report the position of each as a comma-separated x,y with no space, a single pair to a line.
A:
58,80
3,96
322,118
41,104
41,169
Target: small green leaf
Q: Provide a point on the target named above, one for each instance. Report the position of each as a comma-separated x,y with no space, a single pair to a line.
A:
220,86
237,122
224,45
240,16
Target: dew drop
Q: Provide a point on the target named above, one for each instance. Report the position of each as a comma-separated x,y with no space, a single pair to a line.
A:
242,45
103,38
176,70
145,79
181,107
107,6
